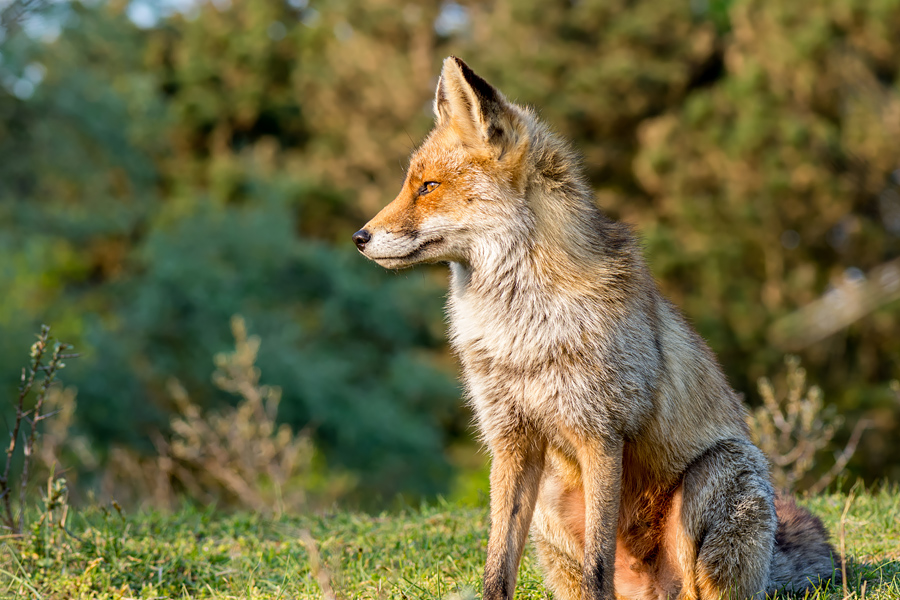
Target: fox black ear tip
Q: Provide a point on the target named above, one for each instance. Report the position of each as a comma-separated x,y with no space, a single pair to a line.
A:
457,61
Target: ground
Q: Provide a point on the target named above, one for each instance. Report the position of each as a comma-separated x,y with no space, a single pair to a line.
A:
434,551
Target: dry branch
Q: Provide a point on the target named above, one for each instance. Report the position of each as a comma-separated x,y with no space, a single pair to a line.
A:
847,302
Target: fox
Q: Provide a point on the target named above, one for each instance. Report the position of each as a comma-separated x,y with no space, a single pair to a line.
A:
614,436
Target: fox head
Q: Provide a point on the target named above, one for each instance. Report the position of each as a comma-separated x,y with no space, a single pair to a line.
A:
464,184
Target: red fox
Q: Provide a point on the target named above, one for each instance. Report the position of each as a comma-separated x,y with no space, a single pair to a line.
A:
613,433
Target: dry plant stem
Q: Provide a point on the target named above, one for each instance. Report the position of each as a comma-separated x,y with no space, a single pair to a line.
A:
792,426
55,365
37,355
842,460
62,524
843,545
323,577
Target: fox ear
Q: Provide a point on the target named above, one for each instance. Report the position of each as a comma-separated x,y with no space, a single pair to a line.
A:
477,110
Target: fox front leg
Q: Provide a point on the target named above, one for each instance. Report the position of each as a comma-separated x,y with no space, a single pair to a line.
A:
516,467
601,467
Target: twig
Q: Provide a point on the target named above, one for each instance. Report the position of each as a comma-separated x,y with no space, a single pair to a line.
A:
55,365
37,354
323,577
14,13
842,460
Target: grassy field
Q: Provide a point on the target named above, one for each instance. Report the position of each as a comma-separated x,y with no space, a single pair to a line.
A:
432,552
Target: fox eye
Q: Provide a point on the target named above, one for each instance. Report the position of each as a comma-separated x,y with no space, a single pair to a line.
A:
428,187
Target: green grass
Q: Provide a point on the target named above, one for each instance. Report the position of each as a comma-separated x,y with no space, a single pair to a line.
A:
432,552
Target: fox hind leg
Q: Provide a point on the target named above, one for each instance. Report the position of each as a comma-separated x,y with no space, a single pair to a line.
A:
717,544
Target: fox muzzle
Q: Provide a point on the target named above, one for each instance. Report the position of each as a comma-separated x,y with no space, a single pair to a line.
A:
361,238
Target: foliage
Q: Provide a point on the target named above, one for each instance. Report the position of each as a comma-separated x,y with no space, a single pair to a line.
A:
143,257
240,457
792,426
431,552
777,184
156,180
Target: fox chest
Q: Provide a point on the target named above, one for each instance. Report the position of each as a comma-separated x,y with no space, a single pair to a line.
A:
548,368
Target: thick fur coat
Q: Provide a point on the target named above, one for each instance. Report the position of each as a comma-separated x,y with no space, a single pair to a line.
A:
614,435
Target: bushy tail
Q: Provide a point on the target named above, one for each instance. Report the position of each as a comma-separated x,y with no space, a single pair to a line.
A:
803,557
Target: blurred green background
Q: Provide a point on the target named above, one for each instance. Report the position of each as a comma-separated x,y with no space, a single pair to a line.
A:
165,165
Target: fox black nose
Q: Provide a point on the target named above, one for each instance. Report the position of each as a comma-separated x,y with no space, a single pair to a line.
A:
361,238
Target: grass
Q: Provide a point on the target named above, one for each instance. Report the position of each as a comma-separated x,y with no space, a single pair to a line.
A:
432,552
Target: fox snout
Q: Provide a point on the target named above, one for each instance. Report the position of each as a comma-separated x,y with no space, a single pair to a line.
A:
396,249
406,232
361,238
